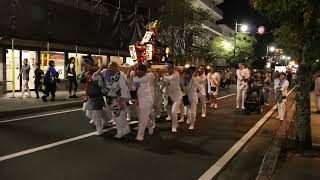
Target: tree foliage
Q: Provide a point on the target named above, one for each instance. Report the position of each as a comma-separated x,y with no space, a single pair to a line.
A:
298,33
223,48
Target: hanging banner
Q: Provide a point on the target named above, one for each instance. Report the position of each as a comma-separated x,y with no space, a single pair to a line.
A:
133,52
146,37
149,50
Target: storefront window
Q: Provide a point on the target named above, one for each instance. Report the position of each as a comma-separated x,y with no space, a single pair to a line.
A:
116,59
32,60
58,58
79,57
100,60
9,69
130,62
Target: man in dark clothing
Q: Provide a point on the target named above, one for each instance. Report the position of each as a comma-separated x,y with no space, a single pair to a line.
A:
38,75
50,80
72,77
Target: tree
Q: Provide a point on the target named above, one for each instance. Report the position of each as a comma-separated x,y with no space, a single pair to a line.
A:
180,23
299,34
223,48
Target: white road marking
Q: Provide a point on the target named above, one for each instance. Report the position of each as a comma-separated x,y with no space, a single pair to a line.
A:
40,115
66,111
58,143
226,96
221,163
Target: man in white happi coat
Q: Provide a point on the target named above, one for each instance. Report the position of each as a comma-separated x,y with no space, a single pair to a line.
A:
174,93
117,95
144,83
243,74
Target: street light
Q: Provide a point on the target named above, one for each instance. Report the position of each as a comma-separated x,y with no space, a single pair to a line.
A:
244,29
270,49
227,45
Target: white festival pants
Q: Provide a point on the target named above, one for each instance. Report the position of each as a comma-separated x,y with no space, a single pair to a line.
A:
145,115
192,111
25,85
173,111
241,96
282,109
203,103
119,116
98,117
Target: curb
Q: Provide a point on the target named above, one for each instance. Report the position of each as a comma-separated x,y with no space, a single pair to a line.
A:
271,157
39,109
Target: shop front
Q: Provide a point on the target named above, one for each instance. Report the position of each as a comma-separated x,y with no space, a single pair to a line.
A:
13,69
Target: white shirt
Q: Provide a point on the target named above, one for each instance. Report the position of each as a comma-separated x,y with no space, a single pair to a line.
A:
173,86
213,76
283,87
145,86
192,90
241,75
202,80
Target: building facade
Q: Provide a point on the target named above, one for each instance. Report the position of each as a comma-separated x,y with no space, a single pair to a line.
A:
43,30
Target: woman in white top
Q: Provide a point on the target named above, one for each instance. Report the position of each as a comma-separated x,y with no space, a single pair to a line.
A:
174,93
144,84
213,87
202,80
191,89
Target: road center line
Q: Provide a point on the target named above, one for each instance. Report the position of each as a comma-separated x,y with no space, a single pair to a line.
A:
51,145
221,163
223,97
40,115
66,111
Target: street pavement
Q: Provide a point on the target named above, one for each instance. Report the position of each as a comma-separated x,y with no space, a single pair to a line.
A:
184,155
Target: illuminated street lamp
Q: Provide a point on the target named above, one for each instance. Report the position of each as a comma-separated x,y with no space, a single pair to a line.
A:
244,29
272,48
227,45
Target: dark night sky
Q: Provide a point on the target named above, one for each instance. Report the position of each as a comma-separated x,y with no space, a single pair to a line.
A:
241,12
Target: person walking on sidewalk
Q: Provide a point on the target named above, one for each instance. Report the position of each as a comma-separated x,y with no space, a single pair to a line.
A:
38,76
227,75
202,80
50,82
213,87
317,90
144,83
174,93
25,71
281,95
72,78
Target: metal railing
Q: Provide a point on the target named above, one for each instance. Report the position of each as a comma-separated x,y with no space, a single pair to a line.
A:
213,26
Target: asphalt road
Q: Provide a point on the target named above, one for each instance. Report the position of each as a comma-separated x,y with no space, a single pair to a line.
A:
185,155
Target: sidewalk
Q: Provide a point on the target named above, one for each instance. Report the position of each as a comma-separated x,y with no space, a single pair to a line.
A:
17,106
306,166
